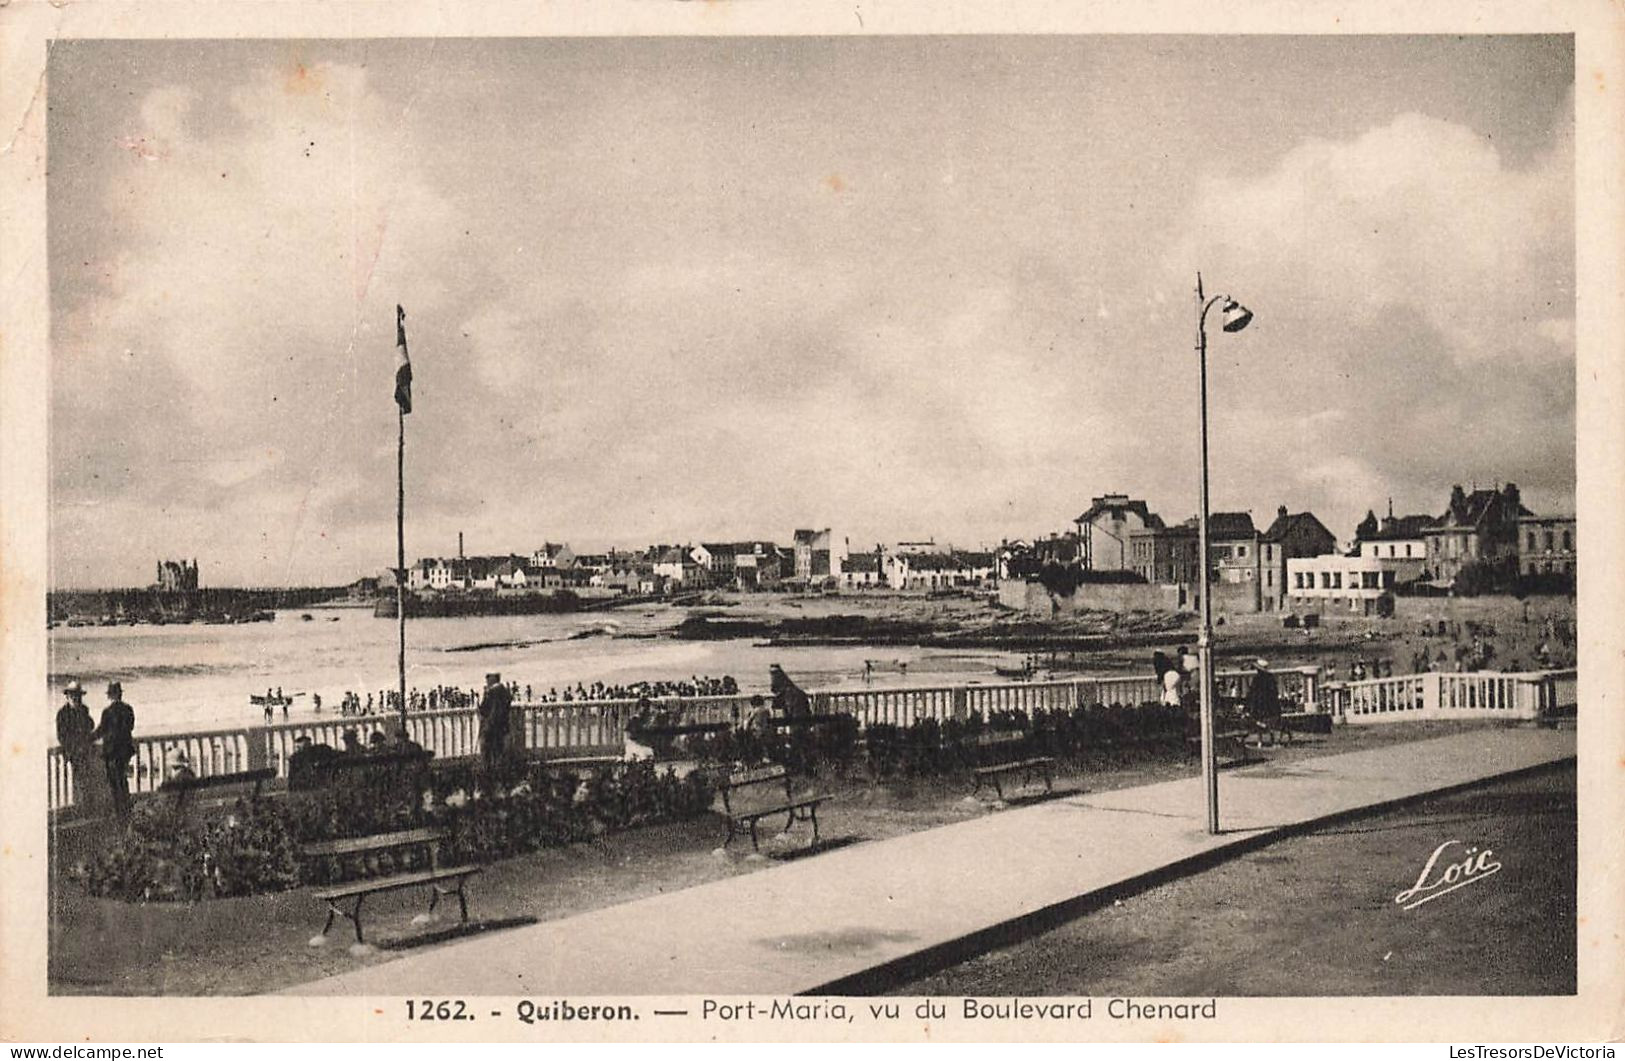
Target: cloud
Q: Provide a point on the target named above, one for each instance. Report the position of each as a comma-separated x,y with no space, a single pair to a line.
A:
1419,213
216,358
1413,295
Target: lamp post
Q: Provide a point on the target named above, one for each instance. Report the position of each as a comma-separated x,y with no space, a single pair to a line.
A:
1236,317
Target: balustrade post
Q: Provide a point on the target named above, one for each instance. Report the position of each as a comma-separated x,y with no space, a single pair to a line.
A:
1432,686
961,703
259,749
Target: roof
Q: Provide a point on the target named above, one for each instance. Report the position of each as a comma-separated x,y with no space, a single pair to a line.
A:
944,561
1230,526
1401,527
1295,523
1116,505
1471,510
861,563
674,554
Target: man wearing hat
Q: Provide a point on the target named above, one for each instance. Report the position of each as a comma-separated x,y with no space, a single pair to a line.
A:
73,730
494,711
116,731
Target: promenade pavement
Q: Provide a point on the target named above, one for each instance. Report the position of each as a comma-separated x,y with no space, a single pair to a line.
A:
835,921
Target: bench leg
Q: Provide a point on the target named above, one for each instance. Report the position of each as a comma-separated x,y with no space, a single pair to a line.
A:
353,915
733,830
813,816
755,845
998,787
462,899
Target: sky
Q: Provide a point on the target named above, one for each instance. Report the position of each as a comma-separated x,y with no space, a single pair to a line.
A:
670,290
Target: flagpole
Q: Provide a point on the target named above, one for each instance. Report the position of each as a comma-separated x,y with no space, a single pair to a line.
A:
400,549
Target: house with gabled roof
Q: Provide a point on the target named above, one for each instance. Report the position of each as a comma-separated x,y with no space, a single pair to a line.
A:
1292,536
1480,527
1105,529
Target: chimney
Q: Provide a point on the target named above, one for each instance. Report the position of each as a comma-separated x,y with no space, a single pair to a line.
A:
1280,513
459,545
1510,492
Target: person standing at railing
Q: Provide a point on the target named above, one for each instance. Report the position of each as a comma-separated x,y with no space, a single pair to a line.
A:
73,729
116,731
495,713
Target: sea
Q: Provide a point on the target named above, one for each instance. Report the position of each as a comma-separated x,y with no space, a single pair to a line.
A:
195,677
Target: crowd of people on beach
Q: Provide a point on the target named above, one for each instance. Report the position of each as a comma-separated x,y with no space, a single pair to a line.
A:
1460,647
695,686
451,697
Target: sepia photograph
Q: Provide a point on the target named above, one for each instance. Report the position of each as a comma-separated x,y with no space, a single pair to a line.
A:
750,533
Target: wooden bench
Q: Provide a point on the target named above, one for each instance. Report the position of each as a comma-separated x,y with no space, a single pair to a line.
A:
183,787
748,813
576,762
996,753
662,740
1317,722
805,721
435,876
1229,745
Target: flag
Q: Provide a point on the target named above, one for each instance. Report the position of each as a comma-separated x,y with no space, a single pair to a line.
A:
403,364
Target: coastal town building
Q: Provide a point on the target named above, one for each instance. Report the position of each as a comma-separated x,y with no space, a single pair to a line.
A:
1361,585
863,570
757,565
1477,528
176,576
1166,555
676,564
1547,545
552,554
818,555
1232,545
938,571
1292,536
1106,528
1399,539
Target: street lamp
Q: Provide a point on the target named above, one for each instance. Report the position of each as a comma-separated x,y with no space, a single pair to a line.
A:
1236,317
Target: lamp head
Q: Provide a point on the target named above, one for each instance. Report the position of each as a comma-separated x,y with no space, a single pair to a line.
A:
1236,316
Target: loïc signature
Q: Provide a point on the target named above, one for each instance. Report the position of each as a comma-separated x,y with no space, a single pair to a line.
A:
1475,865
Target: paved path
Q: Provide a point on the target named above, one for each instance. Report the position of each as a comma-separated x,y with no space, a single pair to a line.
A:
829,918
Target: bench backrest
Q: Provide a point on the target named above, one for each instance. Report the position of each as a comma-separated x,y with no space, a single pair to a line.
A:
190,784
353,845
991,747
761,785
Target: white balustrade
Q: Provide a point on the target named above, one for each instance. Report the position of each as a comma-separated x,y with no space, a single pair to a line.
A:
599,726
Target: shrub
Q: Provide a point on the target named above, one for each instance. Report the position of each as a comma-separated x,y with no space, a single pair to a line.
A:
253,847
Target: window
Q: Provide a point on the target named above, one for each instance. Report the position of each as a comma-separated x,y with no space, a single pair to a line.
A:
1531,539
1568,541
1551,542
1269,578
1241,550
1407,548
1337,580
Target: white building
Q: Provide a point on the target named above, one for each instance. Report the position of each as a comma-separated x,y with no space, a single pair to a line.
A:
1362,585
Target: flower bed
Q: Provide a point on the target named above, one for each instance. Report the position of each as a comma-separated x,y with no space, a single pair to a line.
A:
253,847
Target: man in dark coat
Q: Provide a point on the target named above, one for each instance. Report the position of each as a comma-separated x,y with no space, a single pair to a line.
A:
1264,695
73,729
494,711
116,731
